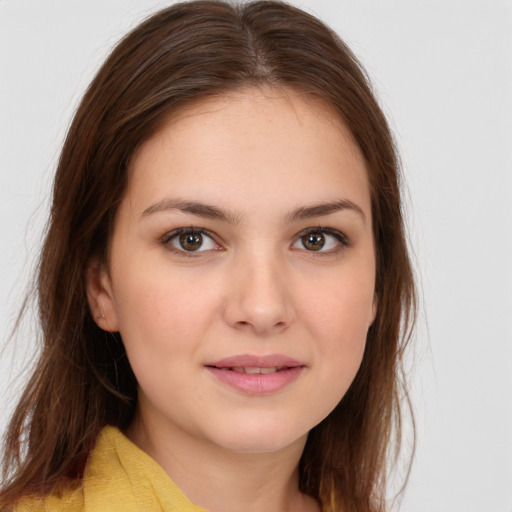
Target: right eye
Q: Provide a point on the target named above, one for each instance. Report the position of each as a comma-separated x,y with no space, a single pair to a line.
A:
189,240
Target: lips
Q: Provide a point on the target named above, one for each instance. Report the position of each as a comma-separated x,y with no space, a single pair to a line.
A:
254,370
257,375
252,361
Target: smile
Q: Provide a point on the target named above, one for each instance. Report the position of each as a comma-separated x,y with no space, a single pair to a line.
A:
256,375
254,370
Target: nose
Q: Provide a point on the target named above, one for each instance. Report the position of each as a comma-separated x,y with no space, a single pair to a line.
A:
259,297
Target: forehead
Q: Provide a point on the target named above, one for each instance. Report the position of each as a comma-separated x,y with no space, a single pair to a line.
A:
247,144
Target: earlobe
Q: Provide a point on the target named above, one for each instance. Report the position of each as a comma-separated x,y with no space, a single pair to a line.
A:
100,296
375,307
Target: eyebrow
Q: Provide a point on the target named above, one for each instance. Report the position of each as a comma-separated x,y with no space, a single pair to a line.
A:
215,213
193,207
322,209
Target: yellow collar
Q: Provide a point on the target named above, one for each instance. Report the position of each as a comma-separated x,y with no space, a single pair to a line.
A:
119,478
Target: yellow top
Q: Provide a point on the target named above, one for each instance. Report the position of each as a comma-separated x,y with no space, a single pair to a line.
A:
119,478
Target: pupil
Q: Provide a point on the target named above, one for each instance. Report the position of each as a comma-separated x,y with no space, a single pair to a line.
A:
191,241
314,242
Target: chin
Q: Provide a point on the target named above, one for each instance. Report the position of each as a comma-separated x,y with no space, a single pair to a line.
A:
260,445
258,437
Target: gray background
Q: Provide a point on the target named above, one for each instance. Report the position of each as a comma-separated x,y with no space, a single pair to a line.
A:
443,73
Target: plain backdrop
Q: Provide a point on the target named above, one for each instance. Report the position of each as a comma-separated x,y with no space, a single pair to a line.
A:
443,73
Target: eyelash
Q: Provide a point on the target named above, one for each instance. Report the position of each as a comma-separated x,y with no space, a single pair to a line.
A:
168,237
340,237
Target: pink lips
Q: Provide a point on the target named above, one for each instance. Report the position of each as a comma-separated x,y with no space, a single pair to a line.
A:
257,375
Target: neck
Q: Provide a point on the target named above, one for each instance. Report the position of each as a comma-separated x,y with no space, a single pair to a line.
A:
222,480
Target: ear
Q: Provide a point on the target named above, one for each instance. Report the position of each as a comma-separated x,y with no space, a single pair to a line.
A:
375,308
100,296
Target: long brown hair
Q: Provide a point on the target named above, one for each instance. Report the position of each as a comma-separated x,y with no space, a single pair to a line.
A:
82,380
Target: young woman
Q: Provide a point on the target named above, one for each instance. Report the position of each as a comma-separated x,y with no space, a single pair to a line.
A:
225,291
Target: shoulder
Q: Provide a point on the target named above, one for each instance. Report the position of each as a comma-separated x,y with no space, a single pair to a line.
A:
71,501
119,478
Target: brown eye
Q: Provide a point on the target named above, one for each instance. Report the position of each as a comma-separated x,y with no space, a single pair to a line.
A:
321,240
313,241
191,241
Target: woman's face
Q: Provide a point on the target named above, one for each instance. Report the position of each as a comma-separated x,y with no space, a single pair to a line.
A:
241,270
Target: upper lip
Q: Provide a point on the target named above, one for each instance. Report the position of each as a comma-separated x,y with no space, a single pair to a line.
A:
255,361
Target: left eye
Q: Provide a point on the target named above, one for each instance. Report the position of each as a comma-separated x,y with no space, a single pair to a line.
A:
191,241
319,241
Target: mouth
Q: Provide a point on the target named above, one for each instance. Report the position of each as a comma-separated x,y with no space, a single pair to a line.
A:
249,363
253,370
256,375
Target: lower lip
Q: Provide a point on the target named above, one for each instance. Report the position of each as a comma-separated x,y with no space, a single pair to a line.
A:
257,383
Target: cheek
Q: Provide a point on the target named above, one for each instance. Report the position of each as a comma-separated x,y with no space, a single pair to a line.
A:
338,316
340,307
162,317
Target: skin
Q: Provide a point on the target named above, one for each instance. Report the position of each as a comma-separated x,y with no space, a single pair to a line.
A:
254,287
